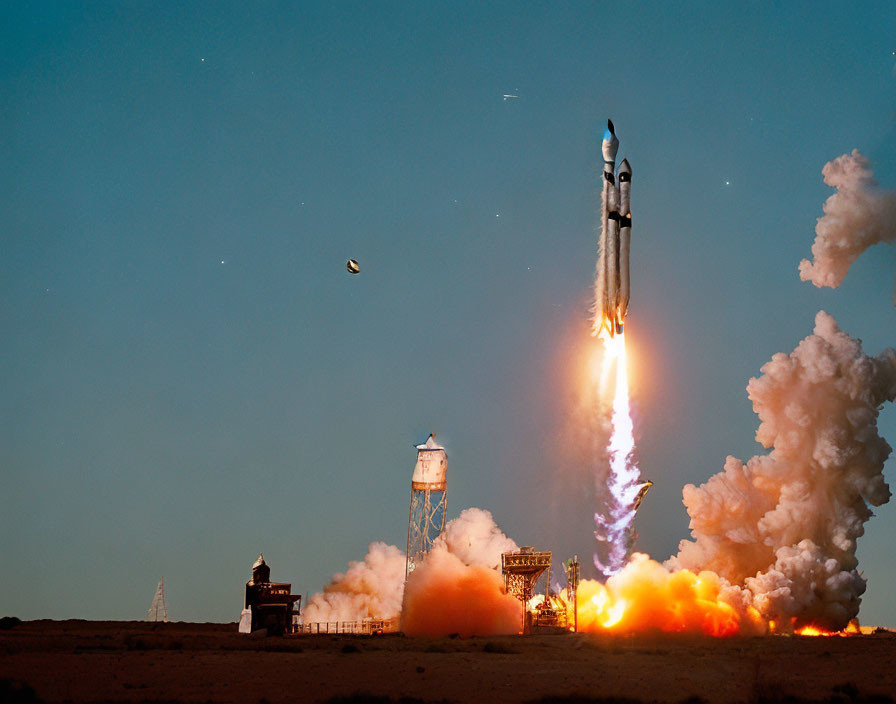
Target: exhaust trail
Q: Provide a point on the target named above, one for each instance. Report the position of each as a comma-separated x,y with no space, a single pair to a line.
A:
613,527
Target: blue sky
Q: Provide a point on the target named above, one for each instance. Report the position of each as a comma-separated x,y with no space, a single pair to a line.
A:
189,374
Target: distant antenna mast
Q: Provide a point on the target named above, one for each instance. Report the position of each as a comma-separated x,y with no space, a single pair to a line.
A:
429,501
158,611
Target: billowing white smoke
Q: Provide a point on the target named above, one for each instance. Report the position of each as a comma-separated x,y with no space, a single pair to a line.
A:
475,538
374,588
369,589
860,214
785,524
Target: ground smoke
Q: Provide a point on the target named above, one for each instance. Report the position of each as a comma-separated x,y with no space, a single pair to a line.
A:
374,588
785,525
444,596
369,589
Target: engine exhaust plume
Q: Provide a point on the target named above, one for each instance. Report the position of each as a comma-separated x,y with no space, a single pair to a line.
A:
860,214
624,487
646,596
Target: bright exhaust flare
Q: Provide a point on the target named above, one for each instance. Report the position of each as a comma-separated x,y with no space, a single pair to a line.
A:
614,527
647,596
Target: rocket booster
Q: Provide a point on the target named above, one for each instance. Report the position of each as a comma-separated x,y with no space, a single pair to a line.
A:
613,284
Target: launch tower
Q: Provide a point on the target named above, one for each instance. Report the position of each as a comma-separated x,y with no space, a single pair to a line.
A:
521,571
429,501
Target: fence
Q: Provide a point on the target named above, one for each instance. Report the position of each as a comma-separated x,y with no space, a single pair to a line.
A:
367,626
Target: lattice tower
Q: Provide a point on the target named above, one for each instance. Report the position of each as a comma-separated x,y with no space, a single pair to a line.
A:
158,610
521,571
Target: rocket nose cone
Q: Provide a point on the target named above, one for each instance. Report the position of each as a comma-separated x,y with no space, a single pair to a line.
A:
610,143
610,132
625,168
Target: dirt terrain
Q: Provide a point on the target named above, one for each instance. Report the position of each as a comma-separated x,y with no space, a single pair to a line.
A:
84,661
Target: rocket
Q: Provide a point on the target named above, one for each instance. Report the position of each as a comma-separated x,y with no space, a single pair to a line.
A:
612,289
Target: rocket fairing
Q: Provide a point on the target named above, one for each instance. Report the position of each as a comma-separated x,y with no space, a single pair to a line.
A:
613,284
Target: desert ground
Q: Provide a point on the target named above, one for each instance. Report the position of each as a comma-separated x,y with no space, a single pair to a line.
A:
85,661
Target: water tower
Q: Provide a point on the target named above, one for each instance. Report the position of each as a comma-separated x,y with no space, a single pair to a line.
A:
429,500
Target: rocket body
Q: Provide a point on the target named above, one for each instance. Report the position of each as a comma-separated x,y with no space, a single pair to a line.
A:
613,283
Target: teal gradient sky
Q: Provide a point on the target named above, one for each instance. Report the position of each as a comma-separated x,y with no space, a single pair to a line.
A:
190,376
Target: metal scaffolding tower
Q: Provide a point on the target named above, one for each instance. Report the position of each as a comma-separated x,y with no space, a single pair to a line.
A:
521,571
429,501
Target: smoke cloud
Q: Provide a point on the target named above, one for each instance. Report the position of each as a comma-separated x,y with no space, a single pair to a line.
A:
785,524
475,538
458,588
860,214
646,595
374,588
369,589
444,595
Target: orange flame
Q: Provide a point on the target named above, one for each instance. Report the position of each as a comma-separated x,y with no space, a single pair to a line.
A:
646,596
815,631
